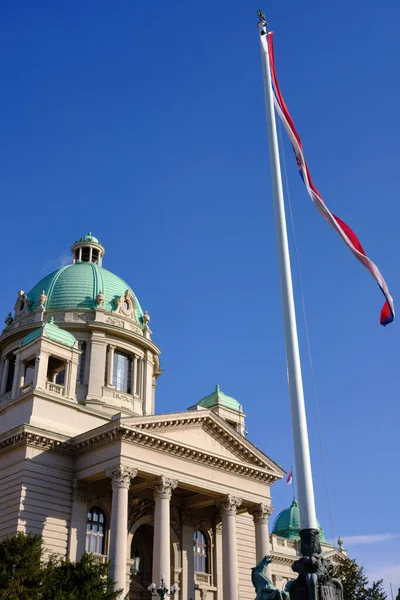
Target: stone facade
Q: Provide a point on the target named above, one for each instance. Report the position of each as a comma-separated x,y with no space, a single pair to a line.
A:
86,462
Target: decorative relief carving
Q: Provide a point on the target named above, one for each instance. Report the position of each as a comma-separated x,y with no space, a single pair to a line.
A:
163,487
121,476
79,491
27,321
261,513
119,396
229,505
138,509
187,517
81,317
114,321
135,328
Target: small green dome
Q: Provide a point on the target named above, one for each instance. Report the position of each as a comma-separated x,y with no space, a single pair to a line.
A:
53,332
89,238
218,397
287,523
76,287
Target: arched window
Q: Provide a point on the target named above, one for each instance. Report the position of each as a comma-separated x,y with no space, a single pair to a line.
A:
95,530
200,552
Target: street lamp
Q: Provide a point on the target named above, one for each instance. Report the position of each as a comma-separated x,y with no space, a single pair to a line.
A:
162,592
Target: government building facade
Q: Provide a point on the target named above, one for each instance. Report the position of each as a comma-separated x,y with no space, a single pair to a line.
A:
86,462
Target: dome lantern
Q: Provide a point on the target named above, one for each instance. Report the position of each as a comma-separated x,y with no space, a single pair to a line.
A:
88,249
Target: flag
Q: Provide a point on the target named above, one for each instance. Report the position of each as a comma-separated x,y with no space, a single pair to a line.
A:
345,232
289,480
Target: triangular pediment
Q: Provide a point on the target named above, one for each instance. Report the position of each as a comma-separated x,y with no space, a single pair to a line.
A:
208,433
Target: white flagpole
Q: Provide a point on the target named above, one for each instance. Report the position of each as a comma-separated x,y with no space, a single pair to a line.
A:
305,489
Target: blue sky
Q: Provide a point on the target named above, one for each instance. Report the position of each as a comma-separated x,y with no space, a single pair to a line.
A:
146,125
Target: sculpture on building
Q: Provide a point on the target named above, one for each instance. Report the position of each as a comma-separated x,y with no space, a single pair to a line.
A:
263,586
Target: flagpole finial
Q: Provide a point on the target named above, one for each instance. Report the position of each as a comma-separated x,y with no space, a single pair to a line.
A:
262,20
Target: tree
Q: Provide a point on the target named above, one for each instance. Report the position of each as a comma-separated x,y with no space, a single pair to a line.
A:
355,582
24,576
88,579
20,567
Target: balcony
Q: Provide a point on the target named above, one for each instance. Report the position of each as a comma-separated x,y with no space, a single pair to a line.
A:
54,388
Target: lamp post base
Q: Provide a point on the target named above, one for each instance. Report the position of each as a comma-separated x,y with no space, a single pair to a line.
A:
314,581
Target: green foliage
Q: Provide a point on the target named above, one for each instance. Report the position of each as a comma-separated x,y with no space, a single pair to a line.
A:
355,582
24,577
20,567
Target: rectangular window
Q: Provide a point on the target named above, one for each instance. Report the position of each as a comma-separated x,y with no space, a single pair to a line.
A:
81,365
122,372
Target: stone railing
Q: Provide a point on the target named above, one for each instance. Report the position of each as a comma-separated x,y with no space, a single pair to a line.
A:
202,578
102,558
55,388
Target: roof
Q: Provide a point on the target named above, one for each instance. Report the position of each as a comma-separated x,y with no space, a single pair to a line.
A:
89,238
287,523
218,397
51,331
76,287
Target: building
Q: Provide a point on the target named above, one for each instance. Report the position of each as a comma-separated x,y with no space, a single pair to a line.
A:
86,462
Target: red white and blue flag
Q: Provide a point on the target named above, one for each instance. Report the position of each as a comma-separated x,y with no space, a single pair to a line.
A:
345,232
289,480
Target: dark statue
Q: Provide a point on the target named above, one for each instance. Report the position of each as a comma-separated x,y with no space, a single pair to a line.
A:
314,581
263,586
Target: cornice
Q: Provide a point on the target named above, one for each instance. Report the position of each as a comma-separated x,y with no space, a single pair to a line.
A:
215,426
30,436
155,442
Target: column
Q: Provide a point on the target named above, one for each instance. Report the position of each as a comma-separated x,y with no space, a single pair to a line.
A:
110,364
97,365
90,254
139,377
134,374
5,375
121,476
187,580
261,514
77,531
17,377
228,508
22,371
67,376
163,489
80,255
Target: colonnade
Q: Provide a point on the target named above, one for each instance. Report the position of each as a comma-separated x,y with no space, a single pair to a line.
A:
121,477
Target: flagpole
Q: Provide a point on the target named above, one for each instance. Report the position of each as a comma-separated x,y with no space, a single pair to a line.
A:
305,489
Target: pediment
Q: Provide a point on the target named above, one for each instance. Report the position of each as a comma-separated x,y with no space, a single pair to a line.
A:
207,432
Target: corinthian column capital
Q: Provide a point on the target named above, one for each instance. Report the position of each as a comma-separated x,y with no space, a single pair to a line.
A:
163,487
261,512
229,505
121,476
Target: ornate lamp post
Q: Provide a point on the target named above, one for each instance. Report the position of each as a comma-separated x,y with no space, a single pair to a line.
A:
162,592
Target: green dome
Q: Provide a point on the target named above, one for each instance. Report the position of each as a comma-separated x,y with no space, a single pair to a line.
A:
218,397
287,523
53,332
76,287
89,238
